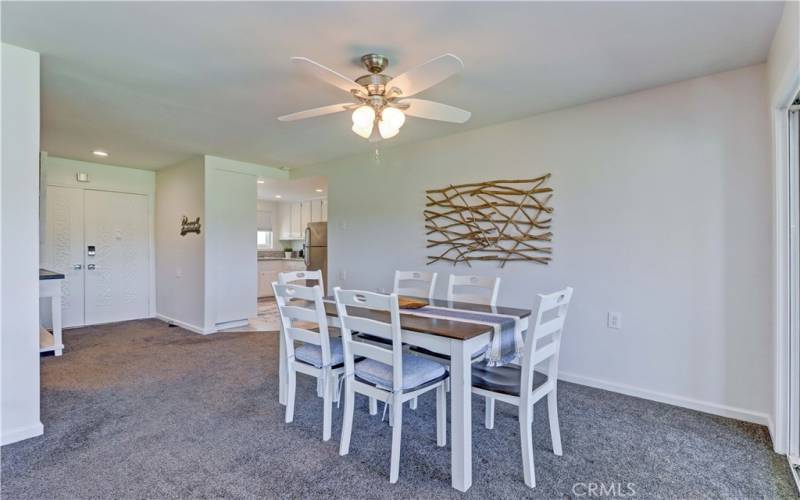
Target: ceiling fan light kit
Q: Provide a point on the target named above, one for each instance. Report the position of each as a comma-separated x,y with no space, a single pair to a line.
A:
382,99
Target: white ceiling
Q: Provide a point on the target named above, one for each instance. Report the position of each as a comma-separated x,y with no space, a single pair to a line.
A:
153,83
304,188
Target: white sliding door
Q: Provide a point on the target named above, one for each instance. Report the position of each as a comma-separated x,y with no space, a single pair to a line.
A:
64,248
117,256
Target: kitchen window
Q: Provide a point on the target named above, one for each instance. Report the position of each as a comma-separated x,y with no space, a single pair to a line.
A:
264,239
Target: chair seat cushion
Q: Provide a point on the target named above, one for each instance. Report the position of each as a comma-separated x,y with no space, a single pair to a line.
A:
503,379
417,372
312,354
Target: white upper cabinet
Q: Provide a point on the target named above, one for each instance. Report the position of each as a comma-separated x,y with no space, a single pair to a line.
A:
294,216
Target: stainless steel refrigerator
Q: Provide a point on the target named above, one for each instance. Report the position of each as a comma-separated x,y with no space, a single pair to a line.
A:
315,249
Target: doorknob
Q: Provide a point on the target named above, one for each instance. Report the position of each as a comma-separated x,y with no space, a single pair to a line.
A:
77,267
90,267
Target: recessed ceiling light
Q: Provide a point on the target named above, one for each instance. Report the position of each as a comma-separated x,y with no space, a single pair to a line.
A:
260,181
277,196
319,190
97,152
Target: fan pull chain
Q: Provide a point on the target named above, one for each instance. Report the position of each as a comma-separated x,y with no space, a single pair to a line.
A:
377,155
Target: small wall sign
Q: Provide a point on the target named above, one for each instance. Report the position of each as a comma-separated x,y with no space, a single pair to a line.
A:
188,226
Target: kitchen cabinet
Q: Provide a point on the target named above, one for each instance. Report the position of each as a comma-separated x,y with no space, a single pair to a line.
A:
297,221
268,273
305,215
294,217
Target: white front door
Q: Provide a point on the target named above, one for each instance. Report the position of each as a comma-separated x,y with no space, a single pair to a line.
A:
117,256
64,249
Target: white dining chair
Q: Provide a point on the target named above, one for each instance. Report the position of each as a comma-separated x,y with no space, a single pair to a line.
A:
415,283
302,276
319,355
522,386
473,289
386,374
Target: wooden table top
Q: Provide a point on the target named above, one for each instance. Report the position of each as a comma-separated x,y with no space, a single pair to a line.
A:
449,328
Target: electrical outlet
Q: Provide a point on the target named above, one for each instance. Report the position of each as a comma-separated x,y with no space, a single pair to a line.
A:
343,275
614,320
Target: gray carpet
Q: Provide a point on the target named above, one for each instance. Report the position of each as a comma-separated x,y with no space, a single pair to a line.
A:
140,410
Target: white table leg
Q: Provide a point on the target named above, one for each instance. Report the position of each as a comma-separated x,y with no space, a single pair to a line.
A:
461,420
282,375
55,306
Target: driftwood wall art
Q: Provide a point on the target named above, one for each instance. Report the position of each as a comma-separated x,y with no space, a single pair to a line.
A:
502,220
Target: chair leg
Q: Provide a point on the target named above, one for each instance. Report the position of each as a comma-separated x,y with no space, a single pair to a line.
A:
291,383
373,406
413,404
555,431
391,415
526,443
327,406
320,389
489,412
347,418
441,416
397,428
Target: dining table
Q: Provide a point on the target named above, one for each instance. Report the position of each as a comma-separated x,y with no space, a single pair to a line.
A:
460,339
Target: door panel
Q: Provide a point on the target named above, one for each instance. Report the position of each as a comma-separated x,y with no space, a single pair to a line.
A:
117,288
63,250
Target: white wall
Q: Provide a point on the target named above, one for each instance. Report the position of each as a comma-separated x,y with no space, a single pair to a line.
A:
783,70
208,281
231,255
105,177
19,274
180,260
662,212
784,54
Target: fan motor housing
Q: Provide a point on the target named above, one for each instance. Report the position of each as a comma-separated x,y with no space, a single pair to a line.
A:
375,83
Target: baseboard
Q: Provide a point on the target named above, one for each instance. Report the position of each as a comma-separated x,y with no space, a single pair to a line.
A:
232,324
184,325
683,402
21,433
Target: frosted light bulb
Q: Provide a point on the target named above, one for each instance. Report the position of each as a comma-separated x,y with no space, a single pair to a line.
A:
363,117
364,132
386,130
393,117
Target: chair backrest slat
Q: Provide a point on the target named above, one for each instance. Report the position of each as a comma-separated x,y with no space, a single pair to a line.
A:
371,351
300,313
415,283
307,307
354,301
473,289
302,278
370,326
554,306
303,335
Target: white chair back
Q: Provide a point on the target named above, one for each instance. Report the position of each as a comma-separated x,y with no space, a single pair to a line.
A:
303,305
473,289
352,307
414,283
295,276
543,341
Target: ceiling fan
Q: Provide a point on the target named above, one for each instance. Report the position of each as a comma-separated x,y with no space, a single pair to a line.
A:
383,100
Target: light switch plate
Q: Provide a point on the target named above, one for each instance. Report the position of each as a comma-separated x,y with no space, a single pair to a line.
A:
614,320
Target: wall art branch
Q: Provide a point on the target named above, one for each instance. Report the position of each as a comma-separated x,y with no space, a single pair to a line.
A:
501,220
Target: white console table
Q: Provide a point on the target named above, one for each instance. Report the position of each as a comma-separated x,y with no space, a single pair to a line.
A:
50,287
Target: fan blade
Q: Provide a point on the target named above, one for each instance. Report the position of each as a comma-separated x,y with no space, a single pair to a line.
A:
327,75
431,110
311,113
429,74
